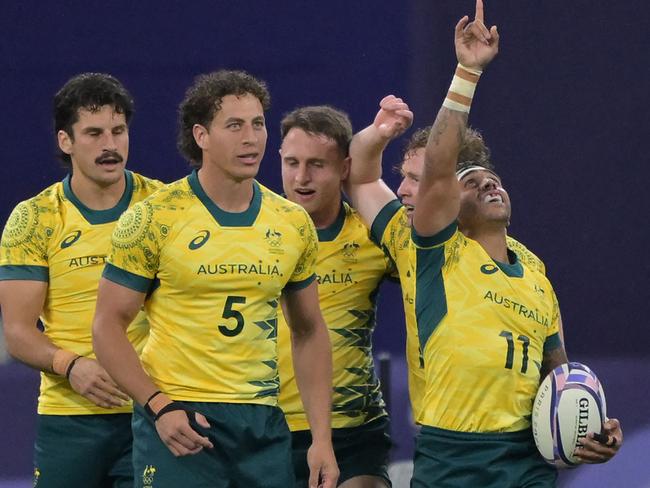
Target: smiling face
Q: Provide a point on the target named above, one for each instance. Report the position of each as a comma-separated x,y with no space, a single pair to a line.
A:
235,140
313,168
98,146
483,200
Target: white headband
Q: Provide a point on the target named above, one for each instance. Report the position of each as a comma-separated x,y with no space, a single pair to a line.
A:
460,174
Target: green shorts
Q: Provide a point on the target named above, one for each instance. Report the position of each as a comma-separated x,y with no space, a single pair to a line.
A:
92,451
252,447
448,459
360,451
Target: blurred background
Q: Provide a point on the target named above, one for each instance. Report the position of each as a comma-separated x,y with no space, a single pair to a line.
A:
563,107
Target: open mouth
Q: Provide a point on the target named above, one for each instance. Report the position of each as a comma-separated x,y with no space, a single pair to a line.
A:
249,158
304,191
493,198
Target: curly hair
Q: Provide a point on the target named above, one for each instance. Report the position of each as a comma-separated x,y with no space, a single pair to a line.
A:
203,100
89,91
473,150
320,119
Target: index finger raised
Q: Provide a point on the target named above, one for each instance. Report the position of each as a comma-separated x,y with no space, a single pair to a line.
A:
479,10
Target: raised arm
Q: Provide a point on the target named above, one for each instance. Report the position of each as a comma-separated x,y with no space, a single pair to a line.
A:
312,359
438,200
365,188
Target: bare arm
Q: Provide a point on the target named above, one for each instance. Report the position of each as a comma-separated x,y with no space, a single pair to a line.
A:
312,358
438,200
117,306
364,187
22,302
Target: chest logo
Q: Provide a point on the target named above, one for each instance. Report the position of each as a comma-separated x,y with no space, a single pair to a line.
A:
350,251
199,240
71,239
489,269
273,237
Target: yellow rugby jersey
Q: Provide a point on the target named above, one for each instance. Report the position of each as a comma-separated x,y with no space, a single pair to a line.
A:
483,327
349,269
55,238
392,230
214,281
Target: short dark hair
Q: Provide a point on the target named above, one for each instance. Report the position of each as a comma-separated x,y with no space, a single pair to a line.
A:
90,91
321,119
203,100
473,150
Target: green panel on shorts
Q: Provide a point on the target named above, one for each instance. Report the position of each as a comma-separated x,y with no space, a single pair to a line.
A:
251,448
446,458
360,451
83,450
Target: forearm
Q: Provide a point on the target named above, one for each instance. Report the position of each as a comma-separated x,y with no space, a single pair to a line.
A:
29,345
366,150
443,145
312,358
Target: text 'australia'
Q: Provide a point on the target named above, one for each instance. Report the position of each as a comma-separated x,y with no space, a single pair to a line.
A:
518,308
238,268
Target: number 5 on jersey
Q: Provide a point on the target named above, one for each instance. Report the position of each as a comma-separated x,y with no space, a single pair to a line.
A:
230,313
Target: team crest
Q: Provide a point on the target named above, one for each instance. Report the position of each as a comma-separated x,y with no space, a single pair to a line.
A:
350,250
147,476
274,240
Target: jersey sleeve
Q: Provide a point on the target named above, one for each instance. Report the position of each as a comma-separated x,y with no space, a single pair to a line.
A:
23,248
553,339
390,228
135,248
305,271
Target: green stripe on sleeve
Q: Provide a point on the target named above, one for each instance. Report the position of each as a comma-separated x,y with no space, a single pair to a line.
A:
552,342
436,239
126,278
24,272
430,297
381,220
299,285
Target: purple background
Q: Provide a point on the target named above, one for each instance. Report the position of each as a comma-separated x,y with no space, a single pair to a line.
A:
564,108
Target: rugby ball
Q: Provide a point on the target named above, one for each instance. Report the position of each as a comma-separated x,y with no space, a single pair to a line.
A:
570,403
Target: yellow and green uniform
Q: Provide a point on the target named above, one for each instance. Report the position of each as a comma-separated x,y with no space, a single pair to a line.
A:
483,327
55,238
349,268
214,281
392,230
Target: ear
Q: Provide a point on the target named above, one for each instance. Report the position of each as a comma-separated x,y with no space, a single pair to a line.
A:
65,141
345,168
201,135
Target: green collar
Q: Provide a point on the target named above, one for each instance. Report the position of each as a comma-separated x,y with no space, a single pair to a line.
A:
331,232
513,268
223,218
96,217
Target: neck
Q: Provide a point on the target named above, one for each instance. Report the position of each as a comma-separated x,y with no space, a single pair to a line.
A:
492,240
228,194
325,217
95,196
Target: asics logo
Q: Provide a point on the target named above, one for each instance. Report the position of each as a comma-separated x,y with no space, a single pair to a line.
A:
489,269
71,239
199,240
